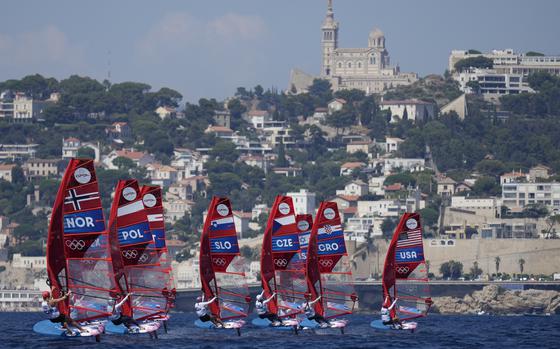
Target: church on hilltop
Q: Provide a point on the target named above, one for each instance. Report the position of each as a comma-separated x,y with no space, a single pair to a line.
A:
368,69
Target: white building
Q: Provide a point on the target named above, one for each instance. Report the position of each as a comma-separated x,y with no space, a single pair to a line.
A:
391,165
336,105
6,172
35,168
357,228
392,144
509,62
27,109
187,273
519,195
367,69
490,82
161,175
304,201
481,206
176,209
355,187
17,151
187,162
409,109
380,208
376,185
19,261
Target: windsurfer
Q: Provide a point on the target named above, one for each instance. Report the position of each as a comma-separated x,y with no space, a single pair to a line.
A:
117,317
386,311
201,308
309,311
262,309
55,316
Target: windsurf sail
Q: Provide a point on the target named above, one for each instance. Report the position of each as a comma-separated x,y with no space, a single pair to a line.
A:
222,269
304,223
149,278
78,255
129,237
282,271
328,270
405,274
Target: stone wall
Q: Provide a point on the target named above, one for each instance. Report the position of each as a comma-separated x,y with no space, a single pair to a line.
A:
541,256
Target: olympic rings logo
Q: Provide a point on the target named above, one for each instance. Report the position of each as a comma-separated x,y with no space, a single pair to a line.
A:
130,254
402,270
219,261
281,262
326,262
75,244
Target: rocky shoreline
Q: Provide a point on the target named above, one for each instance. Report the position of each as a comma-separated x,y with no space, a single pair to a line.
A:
496,300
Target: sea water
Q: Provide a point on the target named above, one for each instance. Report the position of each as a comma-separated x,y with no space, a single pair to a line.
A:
436,331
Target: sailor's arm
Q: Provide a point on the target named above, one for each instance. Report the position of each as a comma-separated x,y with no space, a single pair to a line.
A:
315,301
210,301
119,304
269,299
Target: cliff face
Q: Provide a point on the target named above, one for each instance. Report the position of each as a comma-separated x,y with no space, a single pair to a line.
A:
496,300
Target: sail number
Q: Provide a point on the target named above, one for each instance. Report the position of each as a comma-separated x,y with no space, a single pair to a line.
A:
284,243
222,245
326,247
132,234
79,222
408,255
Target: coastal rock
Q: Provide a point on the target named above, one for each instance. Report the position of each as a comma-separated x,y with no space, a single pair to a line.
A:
496,300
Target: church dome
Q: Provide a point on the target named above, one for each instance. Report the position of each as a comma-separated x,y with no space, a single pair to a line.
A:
376,33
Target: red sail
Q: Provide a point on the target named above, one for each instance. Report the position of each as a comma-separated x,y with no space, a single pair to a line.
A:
405,274
78,257
328,268
281,269
129,239
221,267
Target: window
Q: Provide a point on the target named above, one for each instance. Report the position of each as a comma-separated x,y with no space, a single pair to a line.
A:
349,64
339,64
359,64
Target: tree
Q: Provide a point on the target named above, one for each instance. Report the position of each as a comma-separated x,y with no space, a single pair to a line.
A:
124,163
321,90
86,153
475,270
474,62
259,91
388,227
281,160
486,186
224,150
497,260
429,216
521,262
451,270
405,114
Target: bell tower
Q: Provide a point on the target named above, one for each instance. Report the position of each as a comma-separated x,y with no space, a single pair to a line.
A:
329,41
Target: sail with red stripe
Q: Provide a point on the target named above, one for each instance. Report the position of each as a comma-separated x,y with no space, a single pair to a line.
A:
78,255
130,236
329,273
222,269
282,271
158,277
405,274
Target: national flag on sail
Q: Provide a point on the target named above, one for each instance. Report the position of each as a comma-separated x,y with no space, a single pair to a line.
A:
226,223
281,222
330,231
410,238
81,198
131,213
155,217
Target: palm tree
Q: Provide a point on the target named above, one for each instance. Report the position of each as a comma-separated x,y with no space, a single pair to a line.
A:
521,262
497,260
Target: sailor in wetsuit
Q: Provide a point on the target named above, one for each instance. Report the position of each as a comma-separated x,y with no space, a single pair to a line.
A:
262,309
117,317
385,314
49,307
307,307
203,313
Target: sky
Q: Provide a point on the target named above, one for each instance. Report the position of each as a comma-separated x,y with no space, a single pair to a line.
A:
208,48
